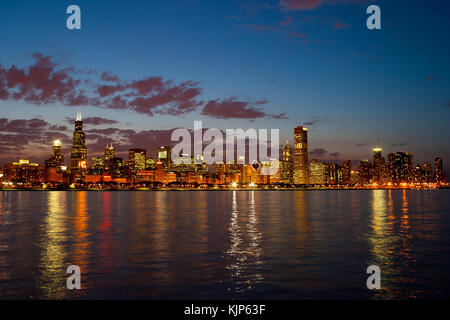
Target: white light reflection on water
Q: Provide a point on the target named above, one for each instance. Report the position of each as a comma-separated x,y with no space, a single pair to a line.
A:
244,254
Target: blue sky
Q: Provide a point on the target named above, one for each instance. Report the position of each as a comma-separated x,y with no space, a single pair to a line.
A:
314,61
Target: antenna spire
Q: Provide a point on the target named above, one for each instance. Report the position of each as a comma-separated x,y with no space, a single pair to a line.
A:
78,115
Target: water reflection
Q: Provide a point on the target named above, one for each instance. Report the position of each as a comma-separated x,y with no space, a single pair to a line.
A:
106,237
54,232
244,253
80,255
161,238
379,238
301,220
222,245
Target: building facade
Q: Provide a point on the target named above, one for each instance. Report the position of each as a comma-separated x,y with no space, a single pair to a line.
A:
286,164
301,167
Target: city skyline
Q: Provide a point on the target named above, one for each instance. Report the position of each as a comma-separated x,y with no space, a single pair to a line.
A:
397,169
278,65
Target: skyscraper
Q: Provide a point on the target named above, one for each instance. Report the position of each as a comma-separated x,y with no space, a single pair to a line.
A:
116,167
346,173
301,168
403,168
426,172
418,174
79,152
57,159
165,157
286,164
378,167
136,160
390,168
107,158
365,172
439,176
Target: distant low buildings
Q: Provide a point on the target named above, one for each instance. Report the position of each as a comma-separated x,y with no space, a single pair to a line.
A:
24,173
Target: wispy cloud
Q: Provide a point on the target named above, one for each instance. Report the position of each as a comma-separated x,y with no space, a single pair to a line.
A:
46,82
232,108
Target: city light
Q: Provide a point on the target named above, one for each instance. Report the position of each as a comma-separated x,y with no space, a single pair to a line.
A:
294,170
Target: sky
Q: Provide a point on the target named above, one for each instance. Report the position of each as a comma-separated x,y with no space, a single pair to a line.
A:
139,69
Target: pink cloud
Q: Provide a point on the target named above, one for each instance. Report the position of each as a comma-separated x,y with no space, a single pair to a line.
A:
46,82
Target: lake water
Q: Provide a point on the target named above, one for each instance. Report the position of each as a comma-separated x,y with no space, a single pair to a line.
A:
225,244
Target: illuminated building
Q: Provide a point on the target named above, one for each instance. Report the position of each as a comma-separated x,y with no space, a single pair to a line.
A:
301,168
317,172
57,159
220,172
52,175
159,172
79,151
346,173
165,157
365,172
354,177
286,164
185,164
145,175
439,175
136,160
410,166
378,167
24,173
170,177
97,166
117,167
187,177
276,178
418,174
426,172
162,176
252,175
200,165
108,156
390,168
332,173
53,165
92,178
150,164
403,168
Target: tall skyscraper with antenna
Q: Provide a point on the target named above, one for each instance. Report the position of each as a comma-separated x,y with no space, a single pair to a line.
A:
78,154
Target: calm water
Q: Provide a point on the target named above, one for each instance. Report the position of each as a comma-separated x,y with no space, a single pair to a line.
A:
225,244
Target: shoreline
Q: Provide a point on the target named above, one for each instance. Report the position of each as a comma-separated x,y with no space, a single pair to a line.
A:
222,189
